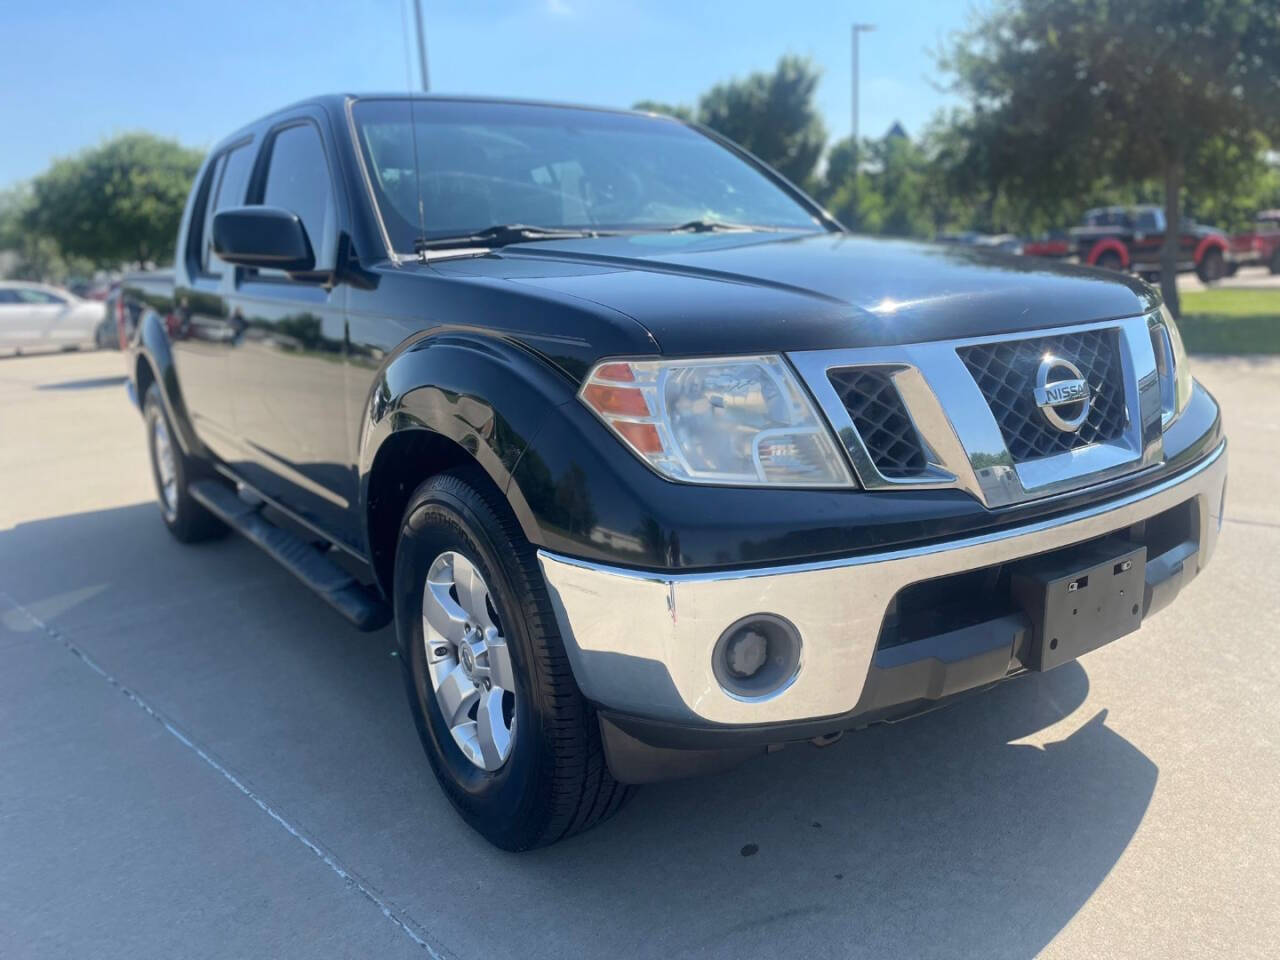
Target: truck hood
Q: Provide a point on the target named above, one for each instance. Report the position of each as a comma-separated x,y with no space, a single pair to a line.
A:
746,292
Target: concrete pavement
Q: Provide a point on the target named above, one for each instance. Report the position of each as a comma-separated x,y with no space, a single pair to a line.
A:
1246,278
197,758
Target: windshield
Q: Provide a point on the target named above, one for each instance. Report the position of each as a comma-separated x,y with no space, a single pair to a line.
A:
489,164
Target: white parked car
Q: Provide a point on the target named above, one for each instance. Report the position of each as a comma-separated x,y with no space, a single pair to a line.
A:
35,316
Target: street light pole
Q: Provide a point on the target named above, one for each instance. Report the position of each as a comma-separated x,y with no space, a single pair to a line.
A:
853,137
422,45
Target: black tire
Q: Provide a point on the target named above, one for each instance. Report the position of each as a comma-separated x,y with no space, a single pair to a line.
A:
187,520
1274,265
1211,267
555,782
1110,260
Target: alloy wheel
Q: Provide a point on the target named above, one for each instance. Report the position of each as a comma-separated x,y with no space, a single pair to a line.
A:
166,468
468,661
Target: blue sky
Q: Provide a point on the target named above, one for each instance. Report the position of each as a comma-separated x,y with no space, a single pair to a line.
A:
76,72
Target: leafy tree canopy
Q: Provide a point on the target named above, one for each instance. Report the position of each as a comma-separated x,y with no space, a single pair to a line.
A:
33,256
1066,92
771,114
116,203
893,190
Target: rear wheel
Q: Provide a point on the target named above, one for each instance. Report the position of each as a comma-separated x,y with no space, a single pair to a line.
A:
1109,261
515,746
1212,267
172,470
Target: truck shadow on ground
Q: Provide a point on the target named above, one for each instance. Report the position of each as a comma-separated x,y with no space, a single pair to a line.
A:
940,836
935,837
87,383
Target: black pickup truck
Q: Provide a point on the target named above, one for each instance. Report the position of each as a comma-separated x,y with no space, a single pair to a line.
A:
653,465
1131,238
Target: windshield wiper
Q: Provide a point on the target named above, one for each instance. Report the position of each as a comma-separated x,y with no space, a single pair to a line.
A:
715,226
500,235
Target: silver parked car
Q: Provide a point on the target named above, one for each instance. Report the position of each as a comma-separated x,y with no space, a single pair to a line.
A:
35,316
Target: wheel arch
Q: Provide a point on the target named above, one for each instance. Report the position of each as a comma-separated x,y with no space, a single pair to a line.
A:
441,402
1108,245
154,364
1210,242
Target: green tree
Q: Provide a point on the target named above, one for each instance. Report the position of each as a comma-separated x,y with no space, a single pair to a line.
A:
116,203
861,203
901,187
946,206
13,204
34,256
1065,93
771,114
1254,182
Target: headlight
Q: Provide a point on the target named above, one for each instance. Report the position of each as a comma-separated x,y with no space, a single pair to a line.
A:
1172,365
741,421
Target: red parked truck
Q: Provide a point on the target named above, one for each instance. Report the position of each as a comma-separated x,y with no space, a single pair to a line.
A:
1130,238
1261,245
1056,244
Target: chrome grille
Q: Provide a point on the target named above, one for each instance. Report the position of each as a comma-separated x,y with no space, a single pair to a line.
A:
881,419
1005,373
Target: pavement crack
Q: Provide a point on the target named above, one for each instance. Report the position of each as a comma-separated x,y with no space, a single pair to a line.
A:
347,875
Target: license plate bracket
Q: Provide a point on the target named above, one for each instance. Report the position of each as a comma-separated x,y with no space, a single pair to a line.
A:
1080,599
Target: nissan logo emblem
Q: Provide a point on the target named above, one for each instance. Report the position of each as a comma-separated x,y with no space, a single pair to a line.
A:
1060,387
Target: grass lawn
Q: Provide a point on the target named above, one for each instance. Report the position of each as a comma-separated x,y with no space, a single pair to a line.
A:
1231,321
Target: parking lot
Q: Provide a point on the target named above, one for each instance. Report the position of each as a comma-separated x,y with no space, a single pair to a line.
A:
1246,278
199,759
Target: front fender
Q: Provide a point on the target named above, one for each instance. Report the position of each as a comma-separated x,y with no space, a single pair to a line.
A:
487,395
154,348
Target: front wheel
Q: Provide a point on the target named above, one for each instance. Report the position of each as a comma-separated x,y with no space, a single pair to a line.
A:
1274,265
515,746
172,470
1110,260
1211,267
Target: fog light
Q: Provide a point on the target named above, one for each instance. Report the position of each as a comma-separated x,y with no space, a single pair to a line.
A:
757,656
745,653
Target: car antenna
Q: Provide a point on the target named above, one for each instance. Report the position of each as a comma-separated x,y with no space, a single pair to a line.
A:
413,133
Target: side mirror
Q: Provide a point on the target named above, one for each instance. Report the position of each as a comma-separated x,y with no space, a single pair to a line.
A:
263,237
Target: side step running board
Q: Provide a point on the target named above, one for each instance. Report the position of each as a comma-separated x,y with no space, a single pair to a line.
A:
343,592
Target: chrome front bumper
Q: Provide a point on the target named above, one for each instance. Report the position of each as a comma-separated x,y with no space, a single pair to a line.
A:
640,643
